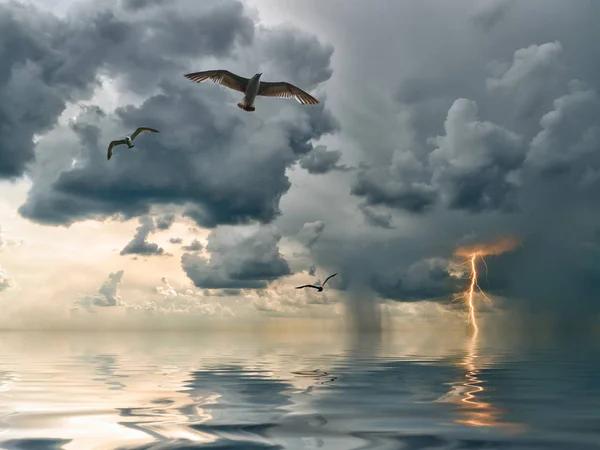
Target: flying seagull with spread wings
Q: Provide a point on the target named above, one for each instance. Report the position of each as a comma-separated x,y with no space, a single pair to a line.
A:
128,139
318,288
253,87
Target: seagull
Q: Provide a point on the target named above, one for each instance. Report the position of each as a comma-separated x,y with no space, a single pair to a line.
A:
128,139
318,288
253,87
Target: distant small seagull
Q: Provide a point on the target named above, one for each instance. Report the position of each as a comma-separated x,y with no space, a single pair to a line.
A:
253,87
318,288
128,140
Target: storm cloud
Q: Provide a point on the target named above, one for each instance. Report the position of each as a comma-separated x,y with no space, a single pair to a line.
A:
247,258
500,139
321,160
310,233
477,119
376,218
401,186
208,154
427,279
40,72
472,163
139,245
165,222
489,13
195,246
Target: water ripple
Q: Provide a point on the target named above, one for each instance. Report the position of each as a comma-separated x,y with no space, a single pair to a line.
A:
159,392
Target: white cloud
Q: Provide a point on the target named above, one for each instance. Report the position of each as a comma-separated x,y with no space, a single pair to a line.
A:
530,65
108,294
188,300
164,299
7,242
6,281
287,301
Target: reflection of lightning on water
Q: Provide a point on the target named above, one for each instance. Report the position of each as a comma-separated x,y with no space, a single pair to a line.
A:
480,413
474,411
472,253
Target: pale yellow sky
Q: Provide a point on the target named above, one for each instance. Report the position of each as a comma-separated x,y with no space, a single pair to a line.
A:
54,265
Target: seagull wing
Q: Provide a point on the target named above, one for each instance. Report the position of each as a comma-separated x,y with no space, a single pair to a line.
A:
140,129
285,90
113,144
223,77
330,276
307,285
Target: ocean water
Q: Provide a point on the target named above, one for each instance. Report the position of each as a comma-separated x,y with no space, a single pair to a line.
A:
296,391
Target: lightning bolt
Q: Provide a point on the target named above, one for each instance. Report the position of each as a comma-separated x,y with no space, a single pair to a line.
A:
470,293
472,253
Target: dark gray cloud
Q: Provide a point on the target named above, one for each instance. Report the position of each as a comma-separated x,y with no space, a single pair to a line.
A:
473,162
140,4
239,259
165,222
180,31
40,73
492,138
569,133
400,186
139,245
470,168
376,218
195,246
488,13
532,80
175,240
48,62
207,154
310,233
321,160
428,279
289,54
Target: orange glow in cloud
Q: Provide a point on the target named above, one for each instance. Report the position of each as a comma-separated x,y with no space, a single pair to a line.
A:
498,247
472,252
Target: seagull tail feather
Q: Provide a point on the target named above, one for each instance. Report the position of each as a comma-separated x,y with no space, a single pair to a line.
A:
245,107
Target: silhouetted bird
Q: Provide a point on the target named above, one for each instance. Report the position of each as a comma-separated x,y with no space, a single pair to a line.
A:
318,288
253,87
128,140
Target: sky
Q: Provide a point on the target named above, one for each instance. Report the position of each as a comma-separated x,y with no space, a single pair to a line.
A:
440,125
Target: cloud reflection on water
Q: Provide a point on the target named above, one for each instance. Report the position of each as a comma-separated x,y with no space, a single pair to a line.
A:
169,390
